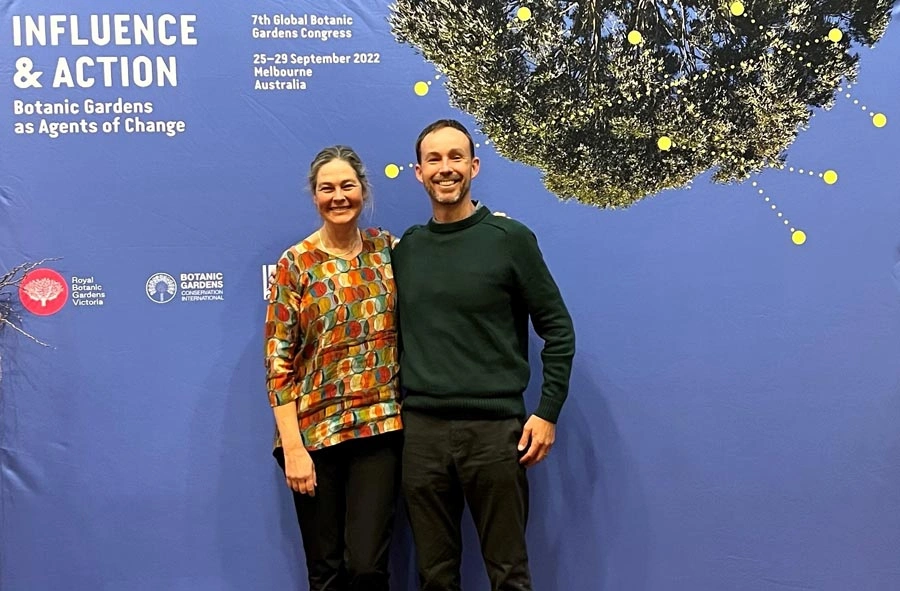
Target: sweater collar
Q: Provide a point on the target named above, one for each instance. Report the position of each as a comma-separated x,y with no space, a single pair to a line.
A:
481,211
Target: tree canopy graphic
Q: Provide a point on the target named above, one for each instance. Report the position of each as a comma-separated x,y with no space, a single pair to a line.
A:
614,101
42,290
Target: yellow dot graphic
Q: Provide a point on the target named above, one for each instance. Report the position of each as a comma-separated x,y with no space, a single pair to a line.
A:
391,171
523,13
830,177
421,88
799,237
835,35
879,119
737,8
664,143
635,37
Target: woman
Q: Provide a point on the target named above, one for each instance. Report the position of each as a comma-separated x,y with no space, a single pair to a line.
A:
331,360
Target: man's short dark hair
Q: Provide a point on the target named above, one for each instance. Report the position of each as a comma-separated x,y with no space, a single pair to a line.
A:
441,124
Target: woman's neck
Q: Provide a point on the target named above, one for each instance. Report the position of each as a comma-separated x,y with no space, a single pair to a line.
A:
343,241
339,237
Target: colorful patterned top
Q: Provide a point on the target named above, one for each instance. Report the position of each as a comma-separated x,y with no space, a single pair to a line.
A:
331,341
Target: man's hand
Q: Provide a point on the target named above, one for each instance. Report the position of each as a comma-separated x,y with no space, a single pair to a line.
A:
538,436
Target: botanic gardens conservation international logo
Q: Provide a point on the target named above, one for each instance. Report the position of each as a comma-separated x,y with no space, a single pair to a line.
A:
161,288
205,286
43,292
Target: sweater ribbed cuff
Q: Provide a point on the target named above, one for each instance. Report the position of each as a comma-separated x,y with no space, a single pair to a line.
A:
548,409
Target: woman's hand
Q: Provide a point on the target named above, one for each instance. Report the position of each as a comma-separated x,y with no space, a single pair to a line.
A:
299,471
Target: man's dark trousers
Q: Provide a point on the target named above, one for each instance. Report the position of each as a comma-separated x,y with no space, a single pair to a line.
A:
448,463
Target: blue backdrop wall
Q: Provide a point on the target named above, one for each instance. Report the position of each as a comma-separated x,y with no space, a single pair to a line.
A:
734,416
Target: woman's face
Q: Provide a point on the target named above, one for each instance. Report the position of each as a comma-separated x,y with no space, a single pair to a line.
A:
339,194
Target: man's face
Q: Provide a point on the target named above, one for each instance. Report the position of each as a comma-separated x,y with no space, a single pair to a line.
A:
447,166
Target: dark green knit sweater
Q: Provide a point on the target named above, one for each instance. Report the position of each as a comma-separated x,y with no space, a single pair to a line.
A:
466,290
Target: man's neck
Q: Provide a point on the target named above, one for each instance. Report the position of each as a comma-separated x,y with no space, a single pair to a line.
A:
448,213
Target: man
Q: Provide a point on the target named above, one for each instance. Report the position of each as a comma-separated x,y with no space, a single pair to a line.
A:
467,284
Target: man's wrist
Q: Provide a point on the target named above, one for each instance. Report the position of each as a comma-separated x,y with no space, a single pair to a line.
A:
548,409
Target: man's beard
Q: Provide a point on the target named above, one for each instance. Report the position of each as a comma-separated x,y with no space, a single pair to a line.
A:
442,198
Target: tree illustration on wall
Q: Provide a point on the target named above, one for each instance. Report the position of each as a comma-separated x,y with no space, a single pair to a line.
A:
43,290
15,280
617,100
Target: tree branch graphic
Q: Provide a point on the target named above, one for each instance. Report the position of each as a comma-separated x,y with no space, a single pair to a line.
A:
9,315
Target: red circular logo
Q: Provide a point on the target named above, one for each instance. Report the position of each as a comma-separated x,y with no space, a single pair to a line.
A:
43,292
